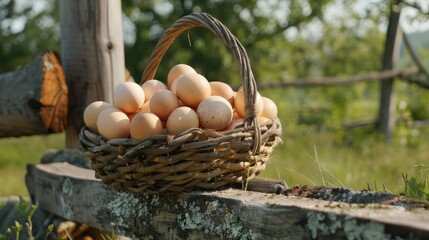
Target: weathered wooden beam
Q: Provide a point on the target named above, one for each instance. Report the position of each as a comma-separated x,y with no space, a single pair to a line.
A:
92,51
74,193
345,80
34,98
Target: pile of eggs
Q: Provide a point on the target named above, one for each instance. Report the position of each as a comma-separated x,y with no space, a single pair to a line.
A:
188,101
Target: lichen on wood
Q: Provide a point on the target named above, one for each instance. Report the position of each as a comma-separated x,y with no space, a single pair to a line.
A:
224,214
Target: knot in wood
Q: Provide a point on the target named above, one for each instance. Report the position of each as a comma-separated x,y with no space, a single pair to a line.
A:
110,45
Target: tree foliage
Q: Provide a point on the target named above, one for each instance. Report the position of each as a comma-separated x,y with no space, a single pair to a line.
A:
26,29
259,26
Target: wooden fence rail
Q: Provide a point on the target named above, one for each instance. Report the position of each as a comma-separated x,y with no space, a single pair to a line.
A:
406,75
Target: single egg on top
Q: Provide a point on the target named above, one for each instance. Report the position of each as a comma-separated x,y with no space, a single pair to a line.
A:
192,88
177,71
128,96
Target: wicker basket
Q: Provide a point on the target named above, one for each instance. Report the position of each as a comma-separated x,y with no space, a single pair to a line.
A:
198,159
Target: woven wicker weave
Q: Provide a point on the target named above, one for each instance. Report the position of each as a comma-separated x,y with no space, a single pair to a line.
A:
198,159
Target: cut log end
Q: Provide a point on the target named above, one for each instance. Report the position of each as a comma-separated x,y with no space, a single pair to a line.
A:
34,98
54,94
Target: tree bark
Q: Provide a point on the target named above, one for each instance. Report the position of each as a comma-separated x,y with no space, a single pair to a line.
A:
387,104
92,53
34,98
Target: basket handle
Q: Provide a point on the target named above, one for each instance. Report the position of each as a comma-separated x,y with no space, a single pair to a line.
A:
215,26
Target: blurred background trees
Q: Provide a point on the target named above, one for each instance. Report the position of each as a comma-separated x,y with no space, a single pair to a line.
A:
26,29
285,40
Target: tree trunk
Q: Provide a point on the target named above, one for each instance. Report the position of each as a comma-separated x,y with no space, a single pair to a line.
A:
387,105
92,53
34,98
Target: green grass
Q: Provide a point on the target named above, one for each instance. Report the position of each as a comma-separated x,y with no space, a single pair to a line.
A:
368,161
12,181
15,153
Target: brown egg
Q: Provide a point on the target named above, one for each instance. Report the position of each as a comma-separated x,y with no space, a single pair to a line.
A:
262,120
128,96
234,123
145,124
214,112
152,86
163,103
182,119
235,115
192,88
113,123
239,103
222,89
131,115
91,113
270,108
173,87
177,71
145,107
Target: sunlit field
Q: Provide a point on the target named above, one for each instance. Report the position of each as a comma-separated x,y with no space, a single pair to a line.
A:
318,159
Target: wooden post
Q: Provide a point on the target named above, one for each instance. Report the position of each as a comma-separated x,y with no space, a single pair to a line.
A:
33,99
92,53
391,50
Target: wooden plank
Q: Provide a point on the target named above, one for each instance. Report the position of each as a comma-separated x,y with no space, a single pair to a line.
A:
92,51
34,98
74,193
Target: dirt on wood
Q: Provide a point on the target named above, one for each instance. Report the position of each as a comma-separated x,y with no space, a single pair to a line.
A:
353,196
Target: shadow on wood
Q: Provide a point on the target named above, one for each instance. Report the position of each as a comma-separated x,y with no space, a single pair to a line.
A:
74,193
